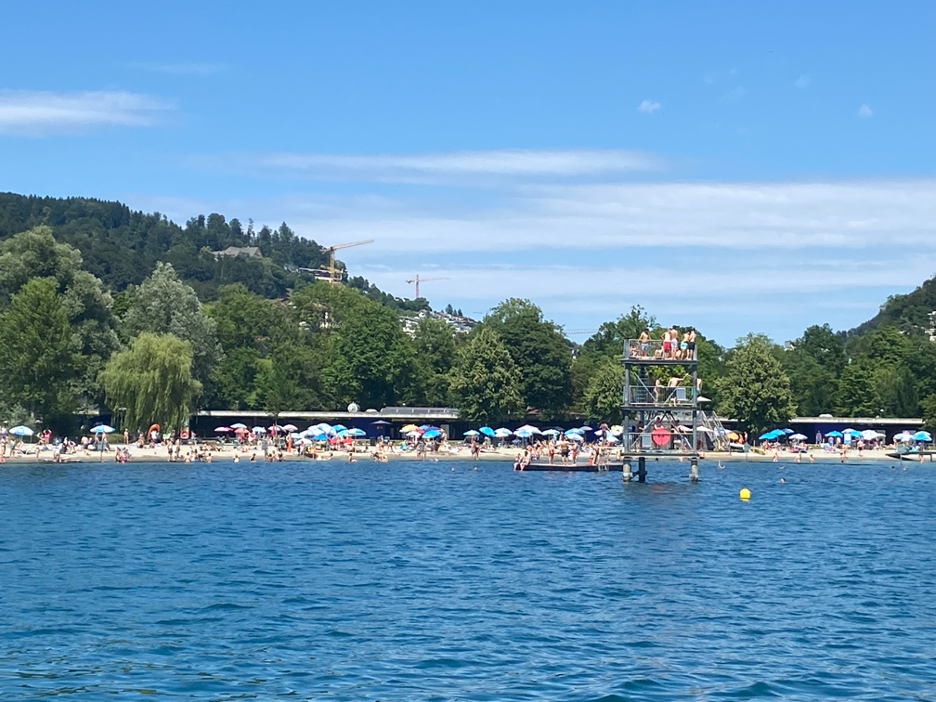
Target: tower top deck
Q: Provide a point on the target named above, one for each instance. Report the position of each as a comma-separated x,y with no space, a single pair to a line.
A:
655,352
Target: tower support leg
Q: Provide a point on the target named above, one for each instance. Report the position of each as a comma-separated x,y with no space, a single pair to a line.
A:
642,469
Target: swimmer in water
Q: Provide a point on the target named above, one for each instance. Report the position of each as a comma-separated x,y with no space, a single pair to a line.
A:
782,480
720,464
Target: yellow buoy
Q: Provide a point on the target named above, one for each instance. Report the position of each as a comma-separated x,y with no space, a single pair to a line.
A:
745,494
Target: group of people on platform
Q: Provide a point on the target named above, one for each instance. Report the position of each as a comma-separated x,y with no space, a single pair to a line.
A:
673,346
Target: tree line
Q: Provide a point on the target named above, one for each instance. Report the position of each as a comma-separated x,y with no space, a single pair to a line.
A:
154,350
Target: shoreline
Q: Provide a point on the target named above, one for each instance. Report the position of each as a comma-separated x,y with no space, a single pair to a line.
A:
227,455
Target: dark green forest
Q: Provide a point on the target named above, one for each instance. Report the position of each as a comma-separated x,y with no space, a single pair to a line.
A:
107,309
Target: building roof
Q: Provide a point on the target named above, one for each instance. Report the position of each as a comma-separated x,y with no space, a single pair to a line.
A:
249,251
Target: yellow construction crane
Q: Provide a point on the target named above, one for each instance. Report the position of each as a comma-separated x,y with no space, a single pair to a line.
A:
335,274
419,280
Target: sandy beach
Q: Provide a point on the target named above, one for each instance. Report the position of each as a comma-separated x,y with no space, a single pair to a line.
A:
459,453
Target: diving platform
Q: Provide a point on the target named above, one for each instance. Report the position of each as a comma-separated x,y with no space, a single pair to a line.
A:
660,404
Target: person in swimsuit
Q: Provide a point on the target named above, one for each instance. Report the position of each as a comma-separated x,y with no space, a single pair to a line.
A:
644,343
666,344
690,344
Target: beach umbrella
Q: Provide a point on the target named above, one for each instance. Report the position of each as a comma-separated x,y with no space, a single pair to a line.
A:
487,431
241,430
576,437
575,430
21,431
471,432
529,428
586,428
409,428
798,437
903,436
354,431
221,430
503,433
611,439
339,427
382,423
523,433
834,434
551,432
787,431
259,430
238,426
870,435
922,436
766,435
289,427
432,433
102,429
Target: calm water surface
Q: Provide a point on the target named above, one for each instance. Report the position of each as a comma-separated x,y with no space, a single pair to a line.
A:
408,581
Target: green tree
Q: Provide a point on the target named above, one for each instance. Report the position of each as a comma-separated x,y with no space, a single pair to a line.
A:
928,405
39,365
372,360
36,254
605,392
485,380
540,351
434,343
163,304
151,382
755,390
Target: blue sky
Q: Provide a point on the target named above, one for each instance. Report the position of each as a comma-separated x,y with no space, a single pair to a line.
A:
737,166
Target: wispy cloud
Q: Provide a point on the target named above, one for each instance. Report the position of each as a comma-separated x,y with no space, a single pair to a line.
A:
586,252
648,106
443,166
36,113
733,95
864,112
181,68
802,81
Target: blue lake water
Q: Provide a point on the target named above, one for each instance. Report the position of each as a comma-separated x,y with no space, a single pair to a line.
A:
411,581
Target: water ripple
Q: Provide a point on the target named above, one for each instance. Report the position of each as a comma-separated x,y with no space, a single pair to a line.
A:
413,581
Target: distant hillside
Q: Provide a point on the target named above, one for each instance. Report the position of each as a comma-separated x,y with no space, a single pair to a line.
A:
122,246
912,312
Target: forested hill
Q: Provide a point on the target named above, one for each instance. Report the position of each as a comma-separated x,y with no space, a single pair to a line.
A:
910,313
122,246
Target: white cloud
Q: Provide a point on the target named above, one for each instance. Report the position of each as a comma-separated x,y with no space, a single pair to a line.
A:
712,253
440,166
865,111
37,113
802,81
733,95
648,106
181,68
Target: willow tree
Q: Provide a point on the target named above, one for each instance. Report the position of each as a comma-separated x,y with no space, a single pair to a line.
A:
151,382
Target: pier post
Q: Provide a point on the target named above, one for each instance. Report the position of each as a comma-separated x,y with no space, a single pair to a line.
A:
642,469
626,474
694,470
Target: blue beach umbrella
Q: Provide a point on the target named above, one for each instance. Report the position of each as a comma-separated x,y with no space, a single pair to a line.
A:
834,434
339,427
766,435
487,431
471,432
575,430
551,432
21,431
922,436
431,433
787,431
103,429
